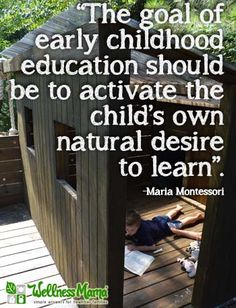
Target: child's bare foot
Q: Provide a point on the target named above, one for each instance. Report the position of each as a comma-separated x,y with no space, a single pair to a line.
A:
179,207
199,236
201,216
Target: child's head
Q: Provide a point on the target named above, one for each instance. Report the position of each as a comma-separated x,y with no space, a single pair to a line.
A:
133,221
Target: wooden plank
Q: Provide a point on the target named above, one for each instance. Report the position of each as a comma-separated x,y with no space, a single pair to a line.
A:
11,166
11,189
71,251
51,165
41,201
176,299
116,189
63,226
93,194
160,261
23,256
157,291
78,232
17,232
9,142
20,239
30,276
14,250
160,212
9,153
59,254
25,266
144,204
75,244
17,225
11,177
183,100
12,199
195,203
48,165
155,276
84,129
68,262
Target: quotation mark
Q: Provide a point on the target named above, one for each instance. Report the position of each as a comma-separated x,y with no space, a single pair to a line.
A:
216,159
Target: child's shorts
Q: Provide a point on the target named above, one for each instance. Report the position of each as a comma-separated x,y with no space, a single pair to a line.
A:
166,223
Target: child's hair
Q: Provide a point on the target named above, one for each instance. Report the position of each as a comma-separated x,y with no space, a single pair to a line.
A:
132,218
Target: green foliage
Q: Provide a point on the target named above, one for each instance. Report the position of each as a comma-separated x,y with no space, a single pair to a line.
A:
196,27
5,124
117,4
18,17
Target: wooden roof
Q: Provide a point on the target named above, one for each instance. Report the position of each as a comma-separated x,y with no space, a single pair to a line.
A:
178,81
62,23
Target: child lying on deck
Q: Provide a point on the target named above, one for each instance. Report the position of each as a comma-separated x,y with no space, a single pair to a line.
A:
146,233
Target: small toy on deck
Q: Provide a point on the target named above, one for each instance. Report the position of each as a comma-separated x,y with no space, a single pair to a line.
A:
189,266
194,249
190,263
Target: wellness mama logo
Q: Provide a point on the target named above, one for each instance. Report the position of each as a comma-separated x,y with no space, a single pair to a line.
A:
16,293
82,294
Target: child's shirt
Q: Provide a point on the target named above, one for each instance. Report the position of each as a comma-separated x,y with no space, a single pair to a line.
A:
152,231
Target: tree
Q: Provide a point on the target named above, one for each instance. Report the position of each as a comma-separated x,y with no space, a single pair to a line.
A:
17,18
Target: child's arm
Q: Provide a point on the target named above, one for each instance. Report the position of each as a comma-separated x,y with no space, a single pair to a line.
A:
142,248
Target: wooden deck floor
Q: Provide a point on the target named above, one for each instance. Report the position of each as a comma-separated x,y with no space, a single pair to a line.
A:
164,284
24,257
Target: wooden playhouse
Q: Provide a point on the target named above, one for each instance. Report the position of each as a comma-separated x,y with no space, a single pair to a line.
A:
78,200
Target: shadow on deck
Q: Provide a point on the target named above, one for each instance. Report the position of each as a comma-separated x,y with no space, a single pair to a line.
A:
164,284
24,257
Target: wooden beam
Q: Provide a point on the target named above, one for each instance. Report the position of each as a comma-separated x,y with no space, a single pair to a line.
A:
215,281
9,154
10,166
9,141
116,192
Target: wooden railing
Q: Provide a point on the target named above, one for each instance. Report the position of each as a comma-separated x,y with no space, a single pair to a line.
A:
11,171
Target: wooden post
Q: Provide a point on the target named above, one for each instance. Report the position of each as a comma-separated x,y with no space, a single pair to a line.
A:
117,185
215,281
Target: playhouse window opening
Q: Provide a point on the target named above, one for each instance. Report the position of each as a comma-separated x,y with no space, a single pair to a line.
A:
65,160
29,125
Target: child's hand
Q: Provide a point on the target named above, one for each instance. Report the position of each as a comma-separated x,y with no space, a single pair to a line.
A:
132,247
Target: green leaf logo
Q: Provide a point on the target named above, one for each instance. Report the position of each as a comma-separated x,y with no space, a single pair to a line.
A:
11,288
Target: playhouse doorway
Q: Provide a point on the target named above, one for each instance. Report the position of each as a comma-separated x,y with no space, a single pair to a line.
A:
164,282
